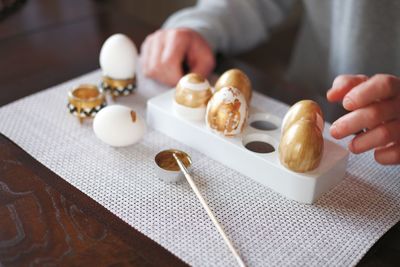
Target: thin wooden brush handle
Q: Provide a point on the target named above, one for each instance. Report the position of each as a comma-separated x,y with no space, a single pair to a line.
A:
209,211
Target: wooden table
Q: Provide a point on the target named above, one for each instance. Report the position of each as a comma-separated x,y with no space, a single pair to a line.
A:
43,219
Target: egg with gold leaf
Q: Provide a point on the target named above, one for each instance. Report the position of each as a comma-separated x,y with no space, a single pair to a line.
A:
304,110
238,79
192,94
301,146
227,111
118,126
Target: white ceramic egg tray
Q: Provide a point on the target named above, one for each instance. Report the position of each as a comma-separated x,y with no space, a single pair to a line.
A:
264,168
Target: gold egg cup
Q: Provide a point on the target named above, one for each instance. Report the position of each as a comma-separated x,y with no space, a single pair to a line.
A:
85,101
118,87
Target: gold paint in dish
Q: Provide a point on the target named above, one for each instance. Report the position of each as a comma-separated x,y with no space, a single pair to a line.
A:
85,101
165,160
238,79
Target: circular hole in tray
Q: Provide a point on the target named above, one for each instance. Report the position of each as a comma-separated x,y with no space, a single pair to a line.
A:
264,122
260,147
259,143
263,125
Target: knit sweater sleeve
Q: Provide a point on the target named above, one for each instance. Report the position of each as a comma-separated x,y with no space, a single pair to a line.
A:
231,26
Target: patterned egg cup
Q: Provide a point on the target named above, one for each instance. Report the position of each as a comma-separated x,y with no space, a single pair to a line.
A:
118,87
85,101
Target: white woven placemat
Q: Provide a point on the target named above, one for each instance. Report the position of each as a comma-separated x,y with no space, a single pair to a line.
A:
267,228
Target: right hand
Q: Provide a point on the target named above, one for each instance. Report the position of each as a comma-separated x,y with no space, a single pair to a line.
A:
374,105
164,52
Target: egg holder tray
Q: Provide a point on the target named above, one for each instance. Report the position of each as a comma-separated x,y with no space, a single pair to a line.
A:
264,168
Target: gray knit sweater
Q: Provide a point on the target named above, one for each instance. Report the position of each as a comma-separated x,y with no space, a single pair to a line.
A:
336,36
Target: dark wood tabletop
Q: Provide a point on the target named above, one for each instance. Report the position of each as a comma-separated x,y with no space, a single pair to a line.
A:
44,221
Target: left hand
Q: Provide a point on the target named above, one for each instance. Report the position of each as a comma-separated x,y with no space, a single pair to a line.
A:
374,105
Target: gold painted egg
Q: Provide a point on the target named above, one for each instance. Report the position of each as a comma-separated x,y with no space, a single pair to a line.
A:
304,110
227,111
238,79
301,146
193,91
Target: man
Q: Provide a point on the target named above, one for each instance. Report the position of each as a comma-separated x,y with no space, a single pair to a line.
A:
349,42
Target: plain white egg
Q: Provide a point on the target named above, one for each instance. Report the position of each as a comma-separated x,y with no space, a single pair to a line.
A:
118,126
118,57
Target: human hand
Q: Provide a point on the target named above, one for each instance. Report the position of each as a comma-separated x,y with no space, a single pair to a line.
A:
374,105
164,52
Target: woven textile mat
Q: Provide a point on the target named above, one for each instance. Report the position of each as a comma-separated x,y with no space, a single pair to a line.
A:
267,228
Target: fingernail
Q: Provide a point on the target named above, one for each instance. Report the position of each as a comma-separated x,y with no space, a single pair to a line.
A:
328,92
338,82
347,103
333,130
352,146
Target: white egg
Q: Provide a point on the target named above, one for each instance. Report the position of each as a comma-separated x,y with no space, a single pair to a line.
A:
118,57
118,126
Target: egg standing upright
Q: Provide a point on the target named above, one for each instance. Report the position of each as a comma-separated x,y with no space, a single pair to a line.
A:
302,142
238,79
227,112
192,94
118,61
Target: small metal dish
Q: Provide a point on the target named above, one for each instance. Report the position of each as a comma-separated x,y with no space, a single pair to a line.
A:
166,167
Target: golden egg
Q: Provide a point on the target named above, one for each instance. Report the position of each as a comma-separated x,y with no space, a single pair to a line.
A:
238,79
227,111
193,91
304,110
301,146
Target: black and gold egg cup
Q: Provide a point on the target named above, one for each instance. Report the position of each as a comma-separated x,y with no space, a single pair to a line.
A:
85,101
118,87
